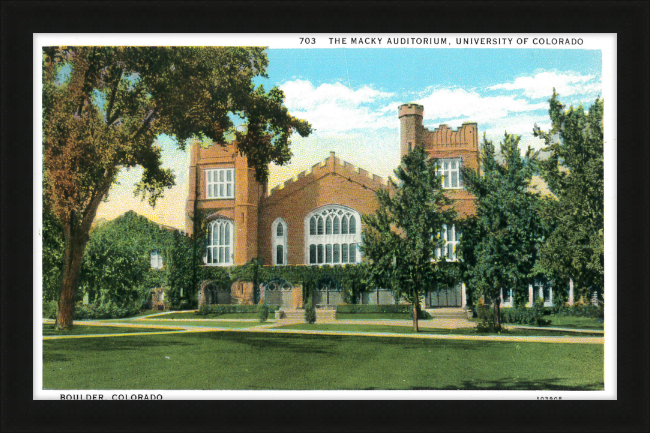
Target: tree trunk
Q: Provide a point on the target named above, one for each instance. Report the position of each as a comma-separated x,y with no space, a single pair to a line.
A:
497,314
415,316
73,257
76,231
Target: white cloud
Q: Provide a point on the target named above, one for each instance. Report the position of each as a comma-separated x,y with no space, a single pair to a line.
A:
448,104
541,84
335,108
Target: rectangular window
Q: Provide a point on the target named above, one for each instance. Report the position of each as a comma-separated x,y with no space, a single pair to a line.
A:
449,169
451,236
320,253
328,253
353,253
220,183
156,260
344,253
336,253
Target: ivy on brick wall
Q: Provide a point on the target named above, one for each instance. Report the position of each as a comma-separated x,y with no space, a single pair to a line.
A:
350,279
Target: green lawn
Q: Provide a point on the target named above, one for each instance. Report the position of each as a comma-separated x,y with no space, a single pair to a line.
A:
557,321
211,316
242,360
48,329
574,322
373,316
409,330
218,323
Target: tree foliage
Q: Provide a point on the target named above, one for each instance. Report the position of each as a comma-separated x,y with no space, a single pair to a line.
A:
400,240
117,267
574,173
499,244
52,237
103,107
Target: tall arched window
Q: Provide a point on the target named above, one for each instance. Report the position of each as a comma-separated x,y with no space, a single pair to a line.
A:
220,251
279,242
332,236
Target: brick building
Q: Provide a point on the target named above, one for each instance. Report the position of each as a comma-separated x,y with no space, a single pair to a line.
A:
315,217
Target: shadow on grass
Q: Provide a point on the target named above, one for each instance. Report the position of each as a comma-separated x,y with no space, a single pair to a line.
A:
54,357
122,343
282,342
519,385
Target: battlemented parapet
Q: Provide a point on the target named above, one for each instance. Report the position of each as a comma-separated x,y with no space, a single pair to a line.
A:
330,165
442,142
445,137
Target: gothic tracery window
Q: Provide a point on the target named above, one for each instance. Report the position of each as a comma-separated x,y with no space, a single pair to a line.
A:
332,236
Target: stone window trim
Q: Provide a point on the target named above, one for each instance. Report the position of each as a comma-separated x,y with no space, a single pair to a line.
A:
449,169
332,235
220,242
279,242
220,183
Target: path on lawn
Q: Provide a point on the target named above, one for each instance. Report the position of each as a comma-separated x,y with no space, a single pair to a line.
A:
271,327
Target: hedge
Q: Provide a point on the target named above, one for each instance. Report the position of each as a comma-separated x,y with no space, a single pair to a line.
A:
355,308
204,310
592,311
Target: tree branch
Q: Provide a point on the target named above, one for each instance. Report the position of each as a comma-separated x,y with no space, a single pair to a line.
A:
116,84
145,124
86,77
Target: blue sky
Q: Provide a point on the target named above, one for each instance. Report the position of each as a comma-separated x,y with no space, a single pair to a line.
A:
351,96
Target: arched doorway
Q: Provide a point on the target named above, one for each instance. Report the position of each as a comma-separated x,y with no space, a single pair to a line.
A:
276,291
328,293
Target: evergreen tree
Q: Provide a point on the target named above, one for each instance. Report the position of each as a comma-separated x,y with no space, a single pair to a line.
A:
400,240
499,244
574,173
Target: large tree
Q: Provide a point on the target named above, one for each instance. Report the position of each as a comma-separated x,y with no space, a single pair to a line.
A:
499,244
574,173
103,108
400,240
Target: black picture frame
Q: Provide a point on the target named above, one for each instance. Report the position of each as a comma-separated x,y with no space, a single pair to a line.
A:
629,20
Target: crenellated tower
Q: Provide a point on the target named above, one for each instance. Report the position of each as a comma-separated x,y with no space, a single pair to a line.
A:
411,131
453,148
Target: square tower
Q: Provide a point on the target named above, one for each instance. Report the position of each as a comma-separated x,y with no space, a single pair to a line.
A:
224,193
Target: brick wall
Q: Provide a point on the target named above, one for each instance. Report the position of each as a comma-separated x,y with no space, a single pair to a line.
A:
331,182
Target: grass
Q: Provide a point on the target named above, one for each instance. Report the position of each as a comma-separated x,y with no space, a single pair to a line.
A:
242,360
374,316
221,324
576,322
557,321
211,316
48,329
437,331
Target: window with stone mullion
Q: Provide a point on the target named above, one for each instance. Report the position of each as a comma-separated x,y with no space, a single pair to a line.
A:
449,169
332,236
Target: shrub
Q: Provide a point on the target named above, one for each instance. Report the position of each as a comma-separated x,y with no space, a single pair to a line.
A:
107,311
485,315
310,312
524,316
580,310
262,312
219,309
50,310
355,308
